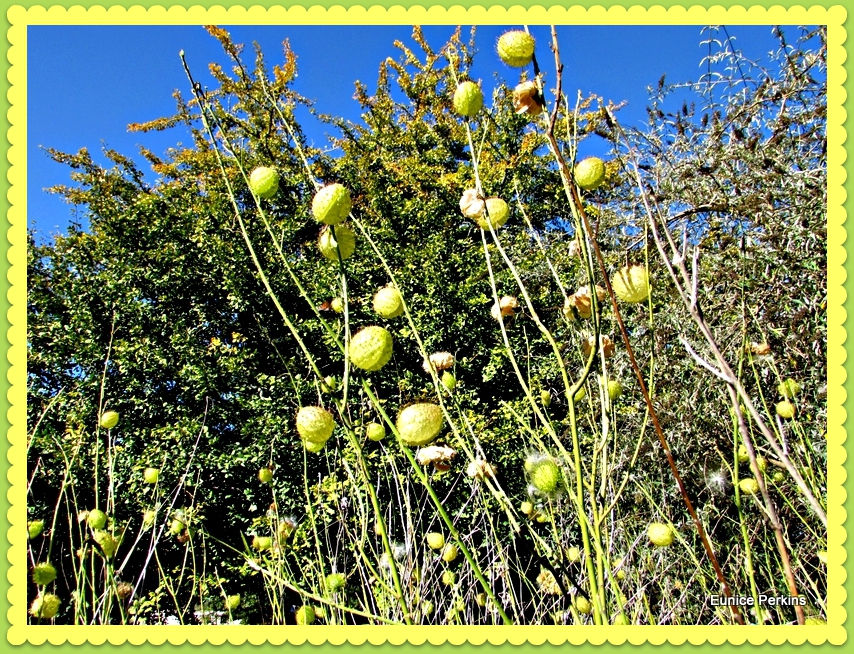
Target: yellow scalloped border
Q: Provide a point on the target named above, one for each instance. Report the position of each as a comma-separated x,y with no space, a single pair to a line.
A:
19,18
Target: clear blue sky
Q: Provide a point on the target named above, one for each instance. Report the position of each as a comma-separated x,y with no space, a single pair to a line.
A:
86,84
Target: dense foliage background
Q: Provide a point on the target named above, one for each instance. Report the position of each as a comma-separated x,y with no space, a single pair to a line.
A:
158,312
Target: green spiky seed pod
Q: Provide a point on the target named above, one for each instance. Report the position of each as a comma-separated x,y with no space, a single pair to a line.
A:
97,519
315,424
150,475
620,619
344,239
516,48
590,173
176,526
45,606
337,305
497,213
573,554
449,578
660,534
615,389
264,182
546,398
313,447
232,602
480,598
329,384
109,419
35,528
580,394
785,410
631,284
449,381
265,475
583,605
762,463
375,431
545,476
435,541
527,508
778,477
124,589
789,388
335,582
305,615
43,573
468,99
748,486
450,553
419,424
743,456
371,348
108,544
148,518
388,302
331,204
262,543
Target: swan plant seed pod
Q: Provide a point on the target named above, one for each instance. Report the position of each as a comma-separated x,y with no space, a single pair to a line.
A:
631,283
545,476
97,519
343,239
583,605
264,182
371,348
35,528
527,99
785,410
388,302
315,424
435,541
660,534
45,606
590,173
375,431
331,204
789,388
306,615
516,48
497,212
448,381
109,419
439,361
419,424
335,581
43,573
748,486
468,99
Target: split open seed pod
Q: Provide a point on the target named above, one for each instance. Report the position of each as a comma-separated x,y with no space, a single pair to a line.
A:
527,99
438,361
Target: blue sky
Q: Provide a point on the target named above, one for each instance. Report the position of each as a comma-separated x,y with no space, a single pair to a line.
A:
86,84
